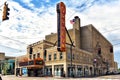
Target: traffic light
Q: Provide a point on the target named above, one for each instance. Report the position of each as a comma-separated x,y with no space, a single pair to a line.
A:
5,12
61,32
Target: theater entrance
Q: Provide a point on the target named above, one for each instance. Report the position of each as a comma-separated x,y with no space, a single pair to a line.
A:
35,72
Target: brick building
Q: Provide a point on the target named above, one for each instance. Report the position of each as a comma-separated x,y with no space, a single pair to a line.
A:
92,54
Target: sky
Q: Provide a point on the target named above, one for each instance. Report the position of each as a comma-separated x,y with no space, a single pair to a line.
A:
30,20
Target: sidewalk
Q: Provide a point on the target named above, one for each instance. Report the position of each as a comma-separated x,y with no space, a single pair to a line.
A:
13,77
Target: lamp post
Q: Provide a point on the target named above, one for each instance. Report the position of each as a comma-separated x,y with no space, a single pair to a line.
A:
1,66
107,65
71,61
94,64
70,50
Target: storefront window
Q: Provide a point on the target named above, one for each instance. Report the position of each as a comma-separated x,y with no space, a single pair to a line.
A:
48,71
58,70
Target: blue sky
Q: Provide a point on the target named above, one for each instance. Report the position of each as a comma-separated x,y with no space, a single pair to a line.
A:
31,20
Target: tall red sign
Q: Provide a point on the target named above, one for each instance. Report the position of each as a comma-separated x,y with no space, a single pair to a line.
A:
61,11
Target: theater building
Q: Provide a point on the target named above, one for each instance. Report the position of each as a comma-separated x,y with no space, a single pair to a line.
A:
92,54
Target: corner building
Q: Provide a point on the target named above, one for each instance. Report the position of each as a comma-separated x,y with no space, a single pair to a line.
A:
92,54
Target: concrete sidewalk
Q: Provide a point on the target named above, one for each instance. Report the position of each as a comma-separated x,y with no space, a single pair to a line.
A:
13,77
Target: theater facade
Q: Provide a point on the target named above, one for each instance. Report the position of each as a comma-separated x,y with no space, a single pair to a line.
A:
92,54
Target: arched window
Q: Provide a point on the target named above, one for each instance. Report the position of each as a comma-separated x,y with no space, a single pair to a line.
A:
99,50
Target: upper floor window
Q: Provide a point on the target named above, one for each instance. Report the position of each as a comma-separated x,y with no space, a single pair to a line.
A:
55,56
38,55
61,55
49,57
69,55
34,56
30,56
45,54
99,50
111,49
30,50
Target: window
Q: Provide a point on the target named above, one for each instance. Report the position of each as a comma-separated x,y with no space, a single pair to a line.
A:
30,56
31,62
61,55
34,56
68,55
45,54
30,50
55,57
39,62
49,57
99,51
38,55
111,49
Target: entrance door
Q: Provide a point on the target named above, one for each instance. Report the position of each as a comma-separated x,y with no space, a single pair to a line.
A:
17,71
69,71
40,72
62,72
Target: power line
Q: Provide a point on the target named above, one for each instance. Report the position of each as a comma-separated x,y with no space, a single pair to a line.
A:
115,39
13,39
12,48
111,30
68,18
1,6
3,3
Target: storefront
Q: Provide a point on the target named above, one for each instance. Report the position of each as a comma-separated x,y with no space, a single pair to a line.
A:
35,71
7,67
31,68
79,71
59,70
24,71
71,70
48,71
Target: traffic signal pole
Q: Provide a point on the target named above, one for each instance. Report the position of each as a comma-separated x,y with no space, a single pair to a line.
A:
71,45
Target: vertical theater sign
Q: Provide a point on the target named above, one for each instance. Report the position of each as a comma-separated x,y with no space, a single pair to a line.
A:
61,11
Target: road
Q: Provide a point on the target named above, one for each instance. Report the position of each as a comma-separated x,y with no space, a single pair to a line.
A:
108,77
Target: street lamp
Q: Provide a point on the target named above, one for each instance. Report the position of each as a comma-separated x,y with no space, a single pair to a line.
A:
94,64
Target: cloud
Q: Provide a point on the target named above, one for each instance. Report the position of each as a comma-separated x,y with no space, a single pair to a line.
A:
26,26
31,24
26,1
